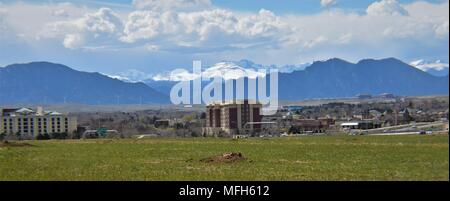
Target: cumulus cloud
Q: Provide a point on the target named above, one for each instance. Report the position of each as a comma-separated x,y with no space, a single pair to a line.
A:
92,29
72,41
215,28
165,5
386,7
141,25
337,27
198,27
102,21
327,3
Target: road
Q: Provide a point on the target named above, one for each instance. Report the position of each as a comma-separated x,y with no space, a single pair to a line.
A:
401,133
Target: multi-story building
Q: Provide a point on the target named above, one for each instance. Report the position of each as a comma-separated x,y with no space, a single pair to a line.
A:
30,123
320,125
232,118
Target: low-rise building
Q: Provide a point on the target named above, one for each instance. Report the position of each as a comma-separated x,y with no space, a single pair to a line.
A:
311,125
362,125
162,123
29,123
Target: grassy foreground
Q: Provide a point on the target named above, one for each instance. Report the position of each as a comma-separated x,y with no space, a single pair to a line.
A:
298,158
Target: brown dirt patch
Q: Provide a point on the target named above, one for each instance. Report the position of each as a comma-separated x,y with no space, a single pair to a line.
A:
14,144
227,157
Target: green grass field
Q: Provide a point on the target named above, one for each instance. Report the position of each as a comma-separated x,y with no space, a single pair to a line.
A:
297,158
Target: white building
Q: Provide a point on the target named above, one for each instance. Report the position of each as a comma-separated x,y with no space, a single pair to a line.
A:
30,123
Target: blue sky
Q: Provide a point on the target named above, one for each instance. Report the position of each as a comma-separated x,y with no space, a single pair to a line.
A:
147,37
279,7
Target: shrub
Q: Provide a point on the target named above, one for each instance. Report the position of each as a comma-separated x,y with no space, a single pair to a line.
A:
18,136
59,136
44,136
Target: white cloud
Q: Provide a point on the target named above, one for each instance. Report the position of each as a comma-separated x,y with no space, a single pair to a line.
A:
327,3
209,28
72,41
61,13
3,24
28,20
141,25
386,7
91,30
191,27
442,30
165,5
104,20
374,33
345,38
316,41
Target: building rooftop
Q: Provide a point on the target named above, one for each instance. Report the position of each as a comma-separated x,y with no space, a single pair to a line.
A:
233,102
26,111
350,124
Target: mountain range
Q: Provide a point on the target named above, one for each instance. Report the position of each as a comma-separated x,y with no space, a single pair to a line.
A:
44,82
337,78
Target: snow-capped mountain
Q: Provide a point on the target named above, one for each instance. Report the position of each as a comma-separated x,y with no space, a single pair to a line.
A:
230,70
39,82
131,75
282,69
337,78
227,70
118,77
436,68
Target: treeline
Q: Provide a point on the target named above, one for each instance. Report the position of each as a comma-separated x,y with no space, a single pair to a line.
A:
44,136
180,123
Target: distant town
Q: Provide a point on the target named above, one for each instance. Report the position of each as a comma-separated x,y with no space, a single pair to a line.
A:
365,114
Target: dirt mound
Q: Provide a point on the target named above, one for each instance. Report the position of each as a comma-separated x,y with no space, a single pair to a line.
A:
14,144
227,157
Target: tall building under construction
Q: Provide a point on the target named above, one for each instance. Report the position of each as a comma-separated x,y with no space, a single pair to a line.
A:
232,118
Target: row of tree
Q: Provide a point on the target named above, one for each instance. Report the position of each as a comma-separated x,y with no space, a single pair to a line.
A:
44,136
